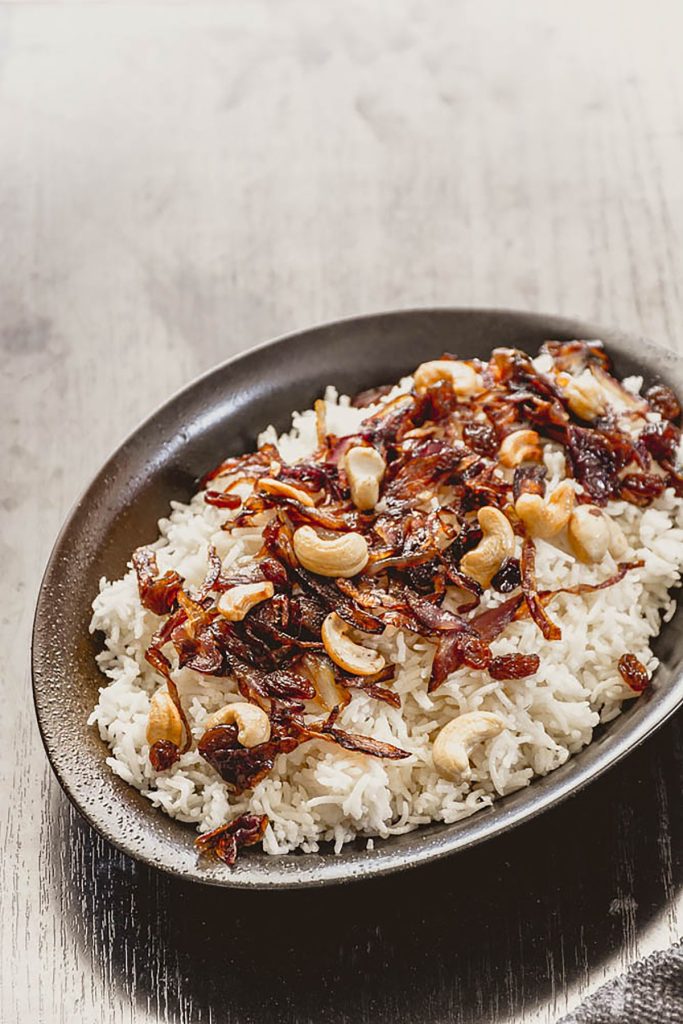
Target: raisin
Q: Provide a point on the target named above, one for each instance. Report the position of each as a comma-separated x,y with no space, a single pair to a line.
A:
663,400
661,440
508,577
514,666
480,438
162,755
633,672
475,652
529,480
641,488
468,538
594,463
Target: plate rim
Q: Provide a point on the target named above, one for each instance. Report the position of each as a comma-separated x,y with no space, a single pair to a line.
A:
481,826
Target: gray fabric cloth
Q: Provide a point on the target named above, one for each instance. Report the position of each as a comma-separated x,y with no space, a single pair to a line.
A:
650,992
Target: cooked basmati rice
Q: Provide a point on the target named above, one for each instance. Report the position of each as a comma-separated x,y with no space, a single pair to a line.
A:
322,793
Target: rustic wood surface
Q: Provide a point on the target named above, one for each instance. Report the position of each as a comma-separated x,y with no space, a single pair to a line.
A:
180,181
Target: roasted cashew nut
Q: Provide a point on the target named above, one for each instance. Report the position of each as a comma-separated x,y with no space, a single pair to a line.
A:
365,470
520,446
584,395
545,517
497,544
236,602
463,378
344,555
359,661
164,721
452,746
592,534
253,724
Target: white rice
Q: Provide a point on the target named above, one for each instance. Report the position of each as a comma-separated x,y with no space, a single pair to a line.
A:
322,793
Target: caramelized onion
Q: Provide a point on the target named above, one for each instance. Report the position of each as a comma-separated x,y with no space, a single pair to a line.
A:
225,842
550,630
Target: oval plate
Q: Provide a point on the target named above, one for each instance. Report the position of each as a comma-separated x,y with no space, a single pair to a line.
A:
220,414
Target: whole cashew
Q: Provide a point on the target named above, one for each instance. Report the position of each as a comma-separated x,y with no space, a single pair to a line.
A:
365,469
252,722
352,657
584,395
463,378
520,446
497,544
545,517
452,746
344,555
164,721
592,534
236,602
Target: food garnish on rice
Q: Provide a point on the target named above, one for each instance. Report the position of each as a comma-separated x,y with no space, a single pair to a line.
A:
408,606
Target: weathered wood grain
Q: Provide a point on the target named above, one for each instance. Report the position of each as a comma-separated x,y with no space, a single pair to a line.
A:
182,180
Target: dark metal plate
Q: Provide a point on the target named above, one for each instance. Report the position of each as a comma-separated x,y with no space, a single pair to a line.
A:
218,415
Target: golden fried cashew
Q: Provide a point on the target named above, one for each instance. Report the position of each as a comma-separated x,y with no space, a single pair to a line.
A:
359,661
343,555
545,517
592,534
365,470
236,602
584,395
520,446
452,746
253,724
497,544
164,721
271,486
463,378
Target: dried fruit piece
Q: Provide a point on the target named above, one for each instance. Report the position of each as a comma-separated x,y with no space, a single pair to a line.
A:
508,577
661,440
481,438
163,755
593,462
664,401
633,672
514,666
641,488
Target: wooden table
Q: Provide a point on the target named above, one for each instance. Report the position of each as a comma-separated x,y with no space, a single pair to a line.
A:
182,180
